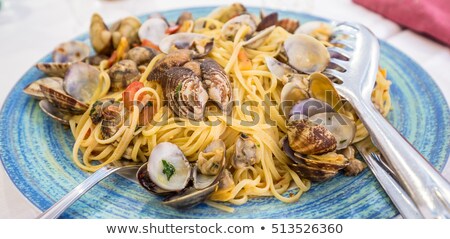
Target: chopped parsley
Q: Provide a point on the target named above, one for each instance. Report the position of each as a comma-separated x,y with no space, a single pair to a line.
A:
177,90
342,141
169,169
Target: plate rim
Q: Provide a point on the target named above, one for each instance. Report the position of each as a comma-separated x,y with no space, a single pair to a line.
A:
85,36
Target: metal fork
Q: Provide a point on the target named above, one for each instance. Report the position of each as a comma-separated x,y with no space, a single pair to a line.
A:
386,178
359,58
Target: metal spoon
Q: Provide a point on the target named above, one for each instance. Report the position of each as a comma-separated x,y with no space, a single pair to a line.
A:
59,207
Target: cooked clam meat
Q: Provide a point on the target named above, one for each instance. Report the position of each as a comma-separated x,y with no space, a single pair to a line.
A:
245,152
216,82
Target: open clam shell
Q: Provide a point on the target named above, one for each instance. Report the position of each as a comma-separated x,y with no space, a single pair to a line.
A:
128,28
292,93
153,30
306,54
258,39
50,110
72,51
53,68
64,102
100,36
185,93
34,88
310,107
172,59
81,81
321,88
199,44
217,84
231,27
339,125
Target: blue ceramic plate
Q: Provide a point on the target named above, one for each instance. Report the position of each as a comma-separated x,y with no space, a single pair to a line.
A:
36,153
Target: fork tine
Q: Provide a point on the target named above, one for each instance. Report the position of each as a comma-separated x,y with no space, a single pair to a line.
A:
340,63
349,25
340,51
346,43
337,74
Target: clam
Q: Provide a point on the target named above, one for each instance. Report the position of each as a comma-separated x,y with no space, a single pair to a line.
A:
267,21
173,59
122,74
128,28
231,27
315,167
226,181
319,30
217,84
321,88
342,128
186,22
185,93
195,67
34,88
53,68
310,107
225,13
81,81
72,51
96,113
95,60
293,92
245,152
306,54
65,103
50,110
289,24
283,72
141,55
112,119
199,45
100,36
306,137
169,172
153,30
258,39
354,166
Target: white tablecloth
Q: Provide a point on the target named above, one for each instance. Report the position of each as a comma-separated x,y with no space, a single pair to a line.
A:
38,26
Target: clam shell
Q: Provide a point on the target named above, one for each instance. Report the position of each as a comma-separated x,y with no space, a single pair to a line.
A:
306,54
185,93
246,153
53,69
199,44
190,197
173,59
34,89
268,21
292,93
305,137
321,88
122,74
72,51
64,102
100,36
153,30
173,155
217,84
141,55
81,81
144,180
53,112
225,13
310,107
231,27
339,125
289,24
128,28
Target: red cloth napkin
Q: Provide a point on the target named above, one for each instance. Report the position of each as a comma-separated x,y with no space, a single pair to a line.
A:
431,17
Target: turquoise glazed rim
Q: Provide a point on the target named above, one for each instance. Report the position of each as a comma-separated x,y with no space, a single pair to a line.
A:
36,153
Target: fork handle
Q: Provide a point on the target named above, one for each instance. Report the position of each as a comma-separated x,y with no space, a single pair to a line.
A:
65,202
425,185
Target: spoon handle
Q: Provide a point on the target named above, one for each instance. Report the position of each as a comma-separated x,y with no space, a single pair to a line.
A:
59,207
426,186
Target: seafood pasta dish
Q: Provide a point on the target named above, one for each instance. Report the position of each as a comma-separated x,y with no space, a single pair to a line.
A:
222,108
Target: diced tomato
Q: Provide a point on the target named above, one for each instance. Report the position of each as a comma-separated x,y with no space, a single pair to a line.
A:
172,29
150,44
130,91
244,62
